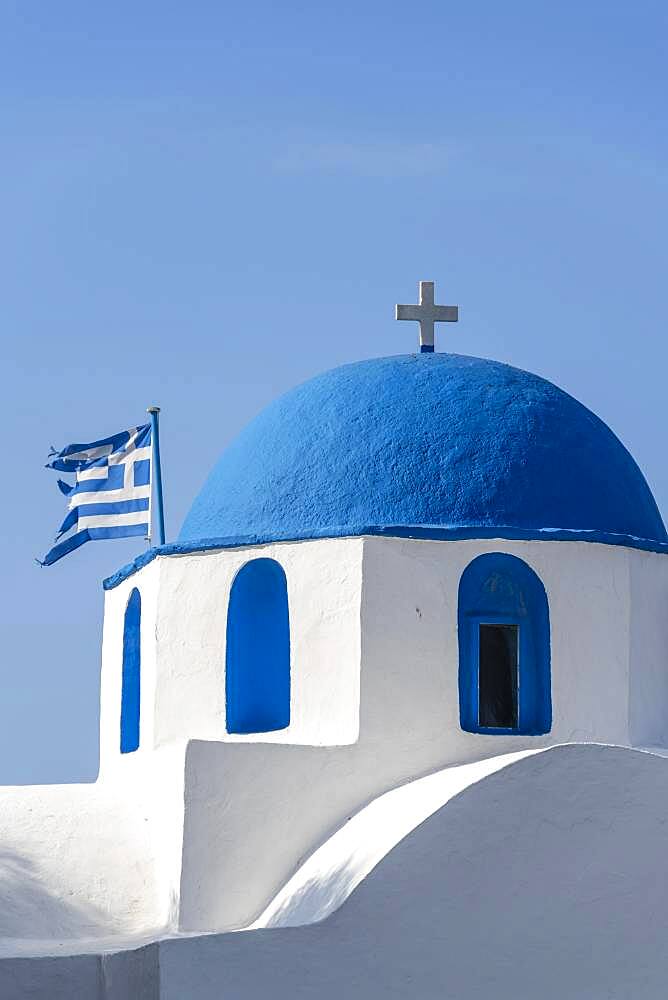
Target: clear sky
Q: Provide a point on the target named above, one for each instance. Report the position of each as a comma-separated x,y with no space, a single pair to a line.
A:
205,203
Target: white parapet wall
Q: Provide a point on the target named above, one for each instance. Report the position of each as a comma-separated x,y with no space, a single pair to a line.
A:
84,864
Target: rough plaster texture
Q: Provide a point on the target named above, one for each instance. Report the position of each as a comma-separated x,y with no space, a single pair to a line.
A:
409,723
183,631
324,592
410,651
199,835
426,439
474,863
324,581
127,975
544,879
326,879
83,863
648,696
116,602
547,879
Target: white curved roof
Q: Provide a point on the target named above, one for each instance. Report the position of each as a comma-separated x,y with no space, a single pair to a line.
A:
331,873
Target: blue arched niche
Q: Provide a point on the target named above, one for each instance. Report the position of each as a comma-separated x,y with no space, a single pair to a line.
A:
257,667
130,690
504,626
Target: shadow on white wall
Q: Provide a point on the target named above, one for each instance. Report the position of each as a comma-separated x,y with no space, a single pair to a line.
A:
547,879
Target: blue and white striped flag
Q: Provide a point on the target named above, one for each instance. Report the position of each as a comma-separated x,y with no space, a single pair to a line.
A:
111,497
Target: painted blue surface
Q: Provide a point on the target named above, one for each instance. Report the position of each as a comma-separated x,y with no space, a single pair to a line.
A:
437,440
131,680
497,587
434,533
257,662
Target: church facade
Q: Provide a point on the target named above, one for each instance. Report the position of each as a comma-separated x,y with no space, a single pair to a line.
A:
407,582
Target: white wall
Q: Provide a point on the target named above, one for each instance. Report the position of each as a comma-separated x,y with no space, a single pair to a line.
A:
184,616
147,581
545,880
332,873
562,894
390,604
410,651
324,584
374,704
103,859
648,697
240,799
88,862
403,624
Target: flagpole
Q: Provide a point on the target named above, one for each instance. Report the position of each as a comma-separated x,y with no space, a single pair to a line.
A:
157,472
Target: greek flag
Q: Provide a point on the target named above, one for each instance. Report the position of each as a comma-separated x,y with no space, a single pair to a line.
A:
112,493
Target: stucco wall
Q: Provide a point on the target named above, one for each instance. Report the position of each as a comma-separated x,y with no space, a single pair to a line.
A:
184,616
92,861
124,975
545,880
115,603
332,873
99,860
648,693
561,895
410,653
375,704
240,798
88,862
390,604
403,624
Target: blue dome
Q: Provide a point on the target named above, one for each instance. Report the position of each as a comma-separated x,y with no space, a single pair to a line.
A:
424,443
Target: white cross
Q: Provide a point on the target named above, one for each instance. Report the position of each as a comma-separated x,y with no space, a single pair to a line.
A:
426,314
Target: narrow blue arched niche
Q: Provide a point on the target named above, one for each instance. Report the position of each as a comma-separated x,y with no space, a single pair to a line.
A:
504,648
131,674
257,667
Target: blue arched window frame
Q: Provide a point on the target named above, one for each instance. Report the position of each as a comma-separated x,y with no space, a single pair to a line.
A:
498,588
257,658
131,674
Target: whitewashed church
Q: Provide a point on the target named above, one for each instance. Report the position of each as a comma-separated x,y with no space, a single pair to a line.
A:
389,720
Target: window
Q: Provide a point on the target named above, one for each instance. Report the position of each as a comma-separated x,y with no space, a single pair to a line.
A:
131,674
257,662
504,648
498,648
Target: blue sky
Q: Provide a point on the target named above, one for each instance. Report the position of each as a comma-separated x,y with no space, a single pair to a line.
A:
203,204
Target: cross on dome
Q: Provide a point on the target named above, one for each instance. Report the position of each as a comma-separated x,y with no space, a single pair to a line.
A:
426,314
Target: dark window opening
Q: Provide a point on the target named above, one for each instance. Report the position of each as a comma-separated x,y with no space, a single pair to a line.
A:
503,623
497,676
